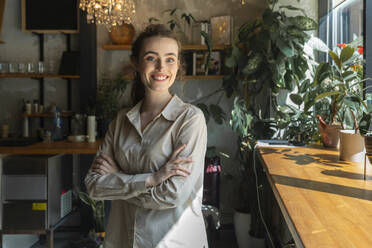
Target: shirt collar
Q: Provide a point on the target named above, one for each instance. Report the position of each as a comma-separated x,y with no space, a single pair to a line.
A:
173,109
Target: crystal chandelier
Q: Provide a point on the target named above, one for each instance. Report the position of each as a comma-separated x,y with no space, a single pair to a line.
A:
108,12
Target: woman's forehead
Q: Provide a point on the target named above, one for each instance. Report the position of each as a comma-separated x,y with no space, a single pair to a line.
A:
160,45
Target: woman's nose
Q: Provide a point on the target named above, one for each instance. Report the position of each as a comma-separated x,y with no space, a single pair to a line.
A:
159,64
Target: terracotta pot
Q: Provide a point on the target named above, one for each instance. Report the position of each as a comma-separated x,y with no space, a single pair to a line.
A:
330,135
122,35
351,146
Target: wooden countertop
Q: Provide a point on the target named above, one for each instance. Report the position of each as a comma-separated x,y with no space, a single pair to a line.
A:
57,147
326,202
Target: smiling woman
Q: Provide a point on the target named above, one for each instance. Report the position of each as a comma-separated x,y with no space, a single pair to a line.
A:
151,163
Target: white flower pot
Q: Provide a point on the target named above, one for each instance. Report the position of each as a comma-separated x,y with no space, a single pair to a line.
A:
242,223
351,146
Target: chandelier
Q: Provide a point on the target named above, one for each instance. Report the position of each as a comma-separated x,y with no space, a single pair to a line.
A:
110,13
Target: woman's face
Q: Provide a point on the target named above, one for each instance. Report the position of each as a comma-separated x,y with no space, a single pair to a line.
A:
158,63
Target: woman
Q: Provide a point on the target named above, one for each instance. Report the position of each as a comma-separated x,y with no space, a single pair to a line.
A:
152,159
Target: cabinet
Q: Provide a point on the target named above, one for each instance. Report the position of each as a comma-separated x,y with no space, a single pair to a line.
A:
36,194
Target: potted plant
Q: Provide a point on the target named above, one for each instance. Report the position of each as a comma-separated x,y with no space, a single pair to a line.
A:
263,49
344,77
97,234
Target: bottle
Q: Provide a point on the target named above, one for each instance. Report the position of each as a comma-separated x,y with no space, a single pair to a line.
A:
91,128
57,126
28,107
36,106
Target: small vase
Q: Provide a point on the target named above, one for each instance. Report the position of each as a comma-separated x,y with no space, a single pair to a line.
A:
330,135
122,35
351,146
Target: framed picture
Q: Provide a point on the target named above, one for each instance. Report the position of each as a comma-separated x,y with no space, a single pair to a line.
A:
222,27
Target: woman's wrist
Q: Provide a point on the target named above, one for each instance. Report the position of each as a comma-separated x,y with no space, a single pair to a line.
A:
149,181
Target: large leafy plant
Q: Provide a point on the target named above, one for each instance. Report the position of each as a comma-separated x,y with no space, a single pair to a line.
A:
268,56
343,76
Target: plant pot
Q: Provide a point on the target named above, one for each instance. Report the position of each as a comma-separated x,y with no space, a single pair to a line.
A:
330,135
122,35
242,223
351,146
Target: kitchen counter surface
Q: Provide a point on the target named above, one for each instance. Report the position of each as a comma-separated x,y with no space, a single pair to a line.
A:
57,147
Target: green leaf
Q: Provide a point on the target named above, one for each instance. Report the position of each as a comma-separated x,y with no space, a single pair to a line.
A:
325,94
317,44
336,59
84,197
252,64
346,53
296,98
217,113
286,50
303,23
349,75
204,108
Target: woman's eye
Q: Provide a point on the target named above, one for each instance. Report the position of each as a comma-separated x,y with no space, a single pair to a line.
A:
170,60
150,58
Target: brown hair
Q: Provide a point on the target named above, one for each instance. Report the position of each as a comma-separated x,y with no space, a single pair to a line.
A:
138,89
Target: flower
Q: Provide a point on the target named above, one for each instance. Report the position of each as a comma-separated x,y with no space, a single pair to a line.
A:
360,49
342,45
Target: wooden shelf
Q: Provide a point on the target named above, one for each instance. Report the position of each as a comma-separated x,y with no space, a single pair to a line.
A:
35,75
184,47
48,115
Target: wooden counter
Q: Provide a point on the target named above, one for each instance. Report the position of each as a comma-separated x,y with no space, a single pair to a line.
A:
57,147
325,202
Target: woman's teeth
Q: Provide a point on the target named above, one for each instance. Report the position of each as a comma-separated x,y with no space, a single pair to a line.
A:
160,77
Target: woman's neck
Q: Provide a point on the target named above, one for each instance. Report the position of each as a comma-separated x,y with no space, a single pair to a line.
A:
154,103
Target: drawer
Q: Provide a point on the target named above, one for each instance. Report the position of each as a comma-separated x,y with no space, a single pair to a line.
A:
26,215
24,187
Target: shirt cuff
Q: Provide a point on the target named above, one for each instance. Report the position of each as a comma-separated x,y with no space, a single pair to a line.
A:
139,182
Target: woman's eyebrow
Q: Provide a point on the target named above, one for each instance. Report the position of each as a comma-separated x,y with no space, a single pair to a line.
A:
167,54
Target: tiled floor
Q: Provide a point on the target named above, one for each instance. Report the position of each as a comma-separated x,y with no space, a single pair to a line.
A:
226,240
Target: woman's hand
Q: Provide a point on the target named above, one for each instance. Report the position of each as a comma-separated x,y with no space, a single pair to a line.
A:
103,164
171,168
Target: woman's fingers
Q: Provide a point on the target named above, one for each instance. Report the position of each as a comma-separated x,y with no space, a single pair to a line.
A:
182,160
108,159
177,151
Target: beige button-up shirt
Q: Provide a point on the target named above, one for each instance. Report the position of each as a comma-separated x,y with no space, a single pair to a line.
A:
168,215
